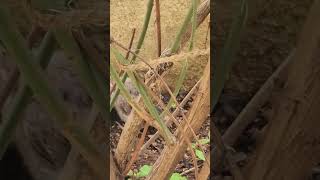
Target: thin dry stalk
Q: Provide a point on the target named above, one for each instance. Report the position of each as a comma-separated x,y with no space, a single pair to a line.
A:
174,114
158,27
295,120
131,42
194,159
127,56
153,63
132,126
174,99
250,111
198,113
139,149
225,153
202,12
205,170
208,32
114,170
183,116
135,154
128,139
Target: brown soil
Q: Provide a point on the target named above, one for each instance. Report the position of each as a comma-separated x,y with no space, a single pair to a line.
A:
269,38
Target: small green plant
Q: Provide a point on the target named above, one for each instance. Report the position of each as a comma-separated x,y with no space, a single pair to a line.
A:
198,151
143,172
146,169
177,176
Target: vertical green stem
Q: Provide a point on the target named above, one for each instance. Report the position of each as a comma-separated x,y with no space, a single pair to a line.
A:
176,44
88,78
12,118
221,67
139,45
37,80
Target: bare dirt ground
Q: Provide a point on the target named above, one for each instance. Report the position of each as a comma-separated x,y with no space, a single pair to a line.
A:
270,36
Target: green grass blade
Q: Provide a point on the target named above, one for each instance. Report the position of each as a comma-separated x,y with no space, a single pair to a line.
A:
221,67
125,93
194,23
175,46
178,86
11,118
183,72
99,75
121,60
151,108
139,45
37,80
144,29
146,99
87,77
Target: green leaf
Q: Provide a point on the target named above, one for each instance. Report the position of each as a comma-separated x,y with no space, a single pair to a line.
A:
122,60
204,141
178,86
177,176
36,78
173,105
11,118
87,77
200,155
145,97
221,66
125,93
151,108
175,47
139,45
144,171
201,141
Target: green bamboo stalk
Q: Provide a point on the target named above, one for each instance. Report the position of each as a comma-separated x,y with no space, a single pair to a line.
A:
22,99
183,72
222,66
144,29
151,108
145,97
178,86
100,77
176,45
125,93
122,61
87,77
37,80
139,45
194,23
